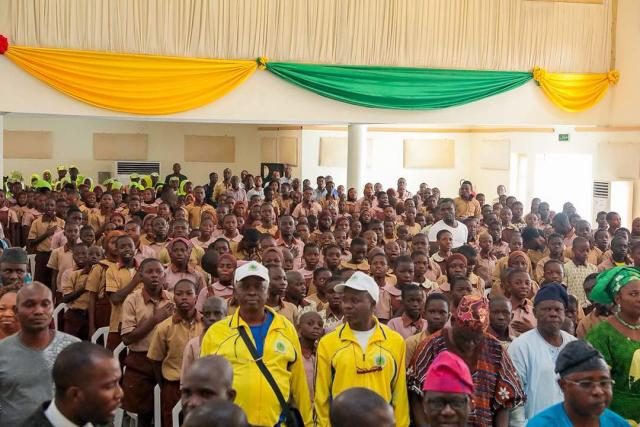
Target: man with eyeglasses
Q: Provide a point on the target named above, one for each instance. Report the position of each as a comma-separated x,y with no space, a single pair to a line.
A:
361,353
447,391
586,383
535,352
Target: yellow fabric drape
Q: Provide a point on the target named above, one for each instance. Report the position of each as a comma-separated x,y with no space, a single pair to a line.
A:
138,84
575,92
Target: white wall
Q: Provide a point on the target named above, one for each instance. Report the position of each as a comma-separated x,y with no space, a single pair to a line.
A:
386,160
73,142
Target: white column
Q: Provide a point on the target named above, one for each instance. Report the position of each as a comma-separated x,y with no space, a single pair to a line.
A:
357,156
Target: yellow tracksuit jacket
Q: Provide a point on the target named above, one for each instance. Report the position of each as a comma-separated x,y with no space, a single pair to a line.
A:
282,356
341,364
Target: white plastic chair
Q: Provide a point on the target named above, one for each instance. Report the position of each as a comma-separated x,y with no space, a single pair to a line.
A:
175,414
100,332
56,313
132,419
32,264
157,406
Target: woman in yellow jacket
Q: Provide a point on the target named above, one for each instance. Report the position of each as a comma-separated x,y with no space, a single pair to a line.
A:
361,353
276,342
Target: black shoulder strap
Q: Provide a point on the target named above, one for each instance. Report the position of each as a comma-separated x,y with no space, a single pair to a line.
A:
265,372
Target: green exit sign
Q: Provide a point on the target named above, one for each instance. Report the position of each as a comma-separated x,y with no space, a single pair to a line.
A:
563,137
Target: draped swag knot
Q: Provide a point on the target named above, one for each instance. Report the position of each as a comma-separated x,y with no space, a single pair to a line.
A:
157,85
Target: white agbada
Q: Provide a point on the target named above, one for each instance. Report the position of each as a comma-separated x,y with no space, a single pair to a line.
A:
459,233
535,361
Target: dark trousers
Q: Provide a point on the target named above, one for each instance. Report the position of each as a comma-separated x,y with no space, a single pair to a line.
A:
169,397
137,384
42,273
76,323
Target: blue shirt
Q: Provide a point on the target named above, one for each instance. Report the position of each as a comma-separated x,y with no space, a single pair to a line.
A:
259,332
556,416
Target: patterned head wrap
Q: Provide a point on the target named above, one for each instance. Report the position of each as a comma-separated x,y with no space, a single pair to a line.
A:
609,283
473,312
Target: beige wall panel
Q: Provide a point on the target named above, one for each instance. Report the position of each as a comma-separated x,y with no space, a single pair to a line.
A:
204,148
120,146
288,150
20,144
333,152
269,147
429,153
495,154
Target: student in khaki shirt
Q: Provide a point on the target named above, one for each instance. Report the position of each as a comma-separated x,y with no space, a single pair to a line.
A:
75,295
358,259
121,279
61,258
169,340
99,303
198,207
142,311
277,291
466,205
39,238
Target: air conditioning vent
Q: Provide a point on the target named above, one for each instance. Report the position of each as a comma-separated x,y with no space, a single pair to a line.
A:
601,189
143,168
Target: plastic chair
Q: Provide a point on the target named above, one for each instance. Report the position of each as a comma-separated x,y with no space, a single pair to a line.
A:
175,414
100,332
56,313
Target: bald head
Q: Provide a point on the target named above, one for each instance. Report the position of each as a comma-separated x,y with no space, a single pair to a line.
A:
34,288
361,406
216,414
209,378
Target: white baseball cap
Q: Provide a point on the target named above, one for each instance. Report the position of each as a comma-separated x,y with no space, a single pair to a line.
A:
361,282
249,269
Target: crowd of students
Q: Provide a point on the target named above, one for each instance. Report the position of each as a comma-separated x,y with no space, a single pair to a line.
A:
311,305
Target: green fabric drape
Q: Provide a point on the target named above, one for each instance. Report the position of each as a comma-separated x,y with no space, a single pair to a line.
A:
399,88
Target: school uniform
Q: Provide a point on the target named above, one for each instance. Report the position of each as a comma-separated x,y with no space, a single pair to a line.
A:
406,326
43,249
296,247
273,230
61,260
96,283
195,212
139,379
117,277
467,208
524,311
173,274
143,252
168,342
76,318
362,266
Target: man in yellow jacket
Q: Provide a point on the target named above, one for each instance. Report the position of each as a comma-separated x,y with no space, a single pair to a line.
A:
361,353
276,343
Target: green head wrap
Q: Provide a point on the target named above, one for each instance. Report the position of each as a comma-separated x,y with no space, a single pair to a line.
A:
609,283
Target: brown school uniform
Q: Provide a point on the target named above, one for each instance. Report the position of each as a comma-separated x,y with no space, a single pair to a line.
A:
467,208
296,248
97,219
538,274
96,284
61,260
43,249
586,324
413,342
287,310
522,312
194,259
76,318
167,346
195,213
363,266
501,249
273,230
139,379
117,277
173,275
320,305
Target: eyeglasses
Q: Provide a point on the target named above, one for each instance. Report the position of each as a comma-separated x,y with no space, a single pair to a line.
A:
588,385
456,403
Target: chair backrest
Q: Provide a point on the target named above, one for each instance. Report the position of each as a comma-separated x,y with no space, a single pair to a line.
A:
175,414
100,332
56,313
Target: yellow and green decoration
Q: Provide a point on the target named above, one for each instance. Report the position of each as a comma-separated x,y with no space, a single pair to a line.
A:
158,85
